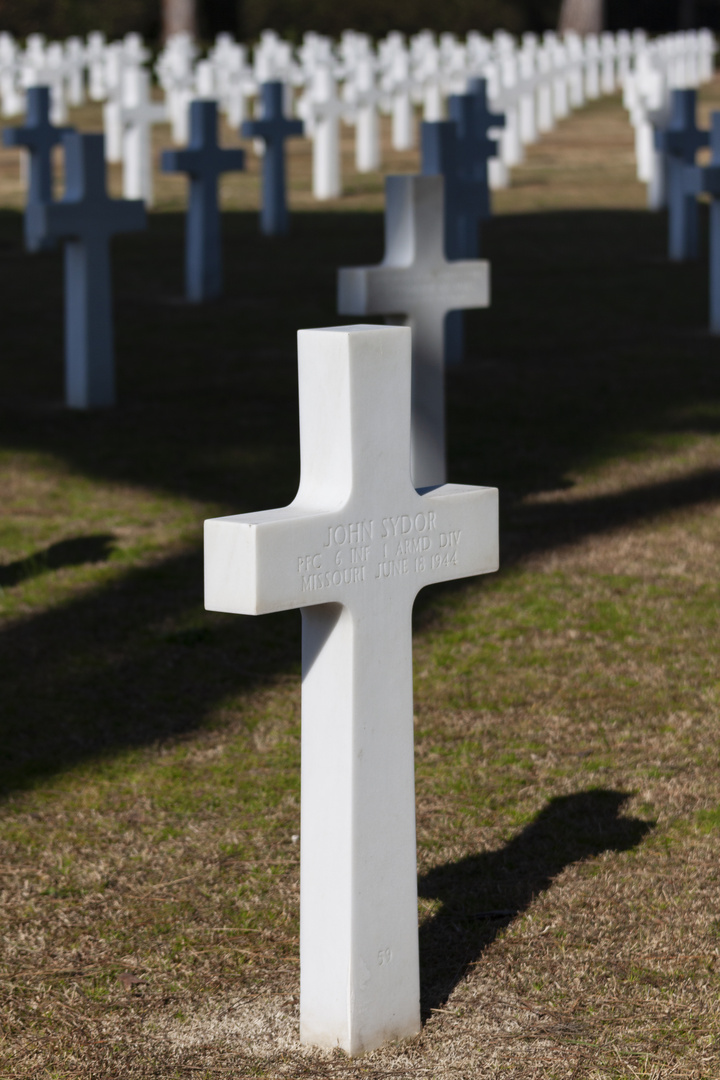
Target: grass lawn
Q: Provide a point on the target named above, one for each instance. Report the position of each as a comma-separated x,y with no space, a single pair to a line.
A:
566,708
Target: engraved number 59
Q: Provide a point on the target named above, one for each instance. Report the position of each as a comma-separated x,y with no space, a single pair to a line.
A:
384,957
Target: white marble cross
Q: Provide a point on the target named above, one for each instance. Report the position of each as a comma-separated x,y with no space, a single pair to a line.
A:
322,109
431,79
403,114
592,66
352,551
363,96
95,60
139,113
174,69
416,281
544,102
75,61
112,108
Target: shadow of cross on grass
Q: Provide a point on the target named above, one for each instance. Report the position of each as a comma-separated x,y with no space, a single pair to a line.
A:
76,551
605,359
482,893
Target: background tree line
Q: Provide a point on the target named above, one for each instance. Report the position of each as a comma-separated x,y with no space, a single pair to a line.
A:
246,18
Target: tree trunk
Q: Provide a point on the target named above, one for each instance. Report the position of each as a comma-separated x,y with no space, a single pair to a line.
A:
687,15
582,16
179,16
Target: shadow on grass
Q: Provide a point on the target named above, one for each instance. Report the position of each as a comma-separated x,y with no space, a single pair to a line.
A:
141,662
131,665
593,348
482,893
77,551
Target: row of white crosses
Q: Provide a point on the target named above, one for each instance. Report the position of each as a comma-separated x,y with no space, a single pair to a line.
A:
60,66
677,62
534,83
114,74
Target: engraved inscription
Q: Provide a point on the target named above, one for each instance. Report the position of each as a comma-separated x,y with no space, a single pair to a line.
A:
355,532
405,523
353,552
351,575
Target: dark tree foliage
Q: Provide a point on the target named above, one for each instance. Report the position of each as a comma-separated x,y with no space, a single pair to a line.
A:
246,18
661,16
61,18
378,17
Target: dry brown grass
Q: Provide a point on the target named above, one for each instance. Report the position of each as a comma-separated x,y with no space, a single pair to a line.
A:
566,710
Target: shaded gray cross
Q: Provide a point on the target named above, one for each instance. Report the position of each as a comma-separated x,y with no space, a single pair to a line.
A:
86,219
204,161
274,128
39,136
417,282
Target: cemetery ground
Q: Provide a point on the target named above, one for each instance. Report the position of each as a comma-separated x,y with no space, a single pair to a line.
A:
566,708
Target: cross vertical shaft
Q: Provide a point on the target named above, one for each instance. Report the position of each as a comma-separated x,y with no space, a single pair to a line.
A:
90,374
358,888
203,252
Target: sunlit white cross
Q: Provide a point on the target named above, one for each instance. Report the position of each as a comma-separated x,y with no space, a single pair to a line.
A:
352,552
363,95
416,281
139,113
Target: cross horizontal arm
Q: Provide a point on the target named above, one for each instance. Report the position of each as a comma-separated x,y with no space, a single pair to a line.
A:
683,144
83,221
205,162
703,180
357,521
144,114
280,559
34,138
395,290
272,129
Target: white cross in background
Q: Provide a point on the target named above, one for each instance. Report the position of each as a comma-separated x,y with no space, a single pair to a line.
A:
139,113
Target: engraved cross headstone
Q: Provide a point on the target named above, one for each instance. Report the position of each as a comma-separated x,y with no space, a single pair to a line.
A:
273,128
39,136
86,219
680,141
352,551
203,160
416,281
